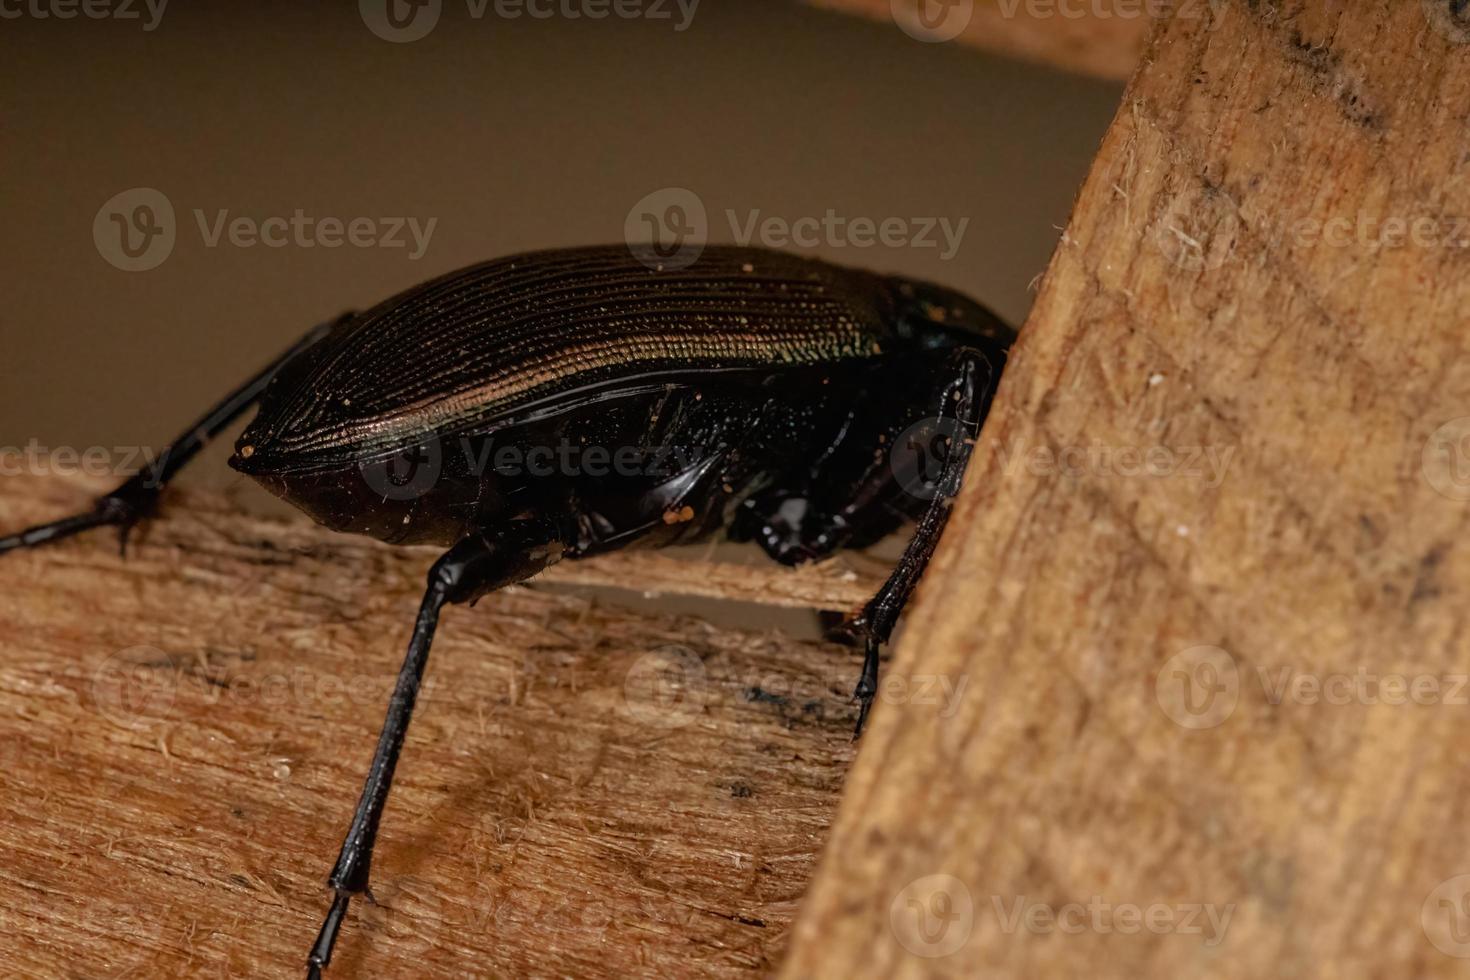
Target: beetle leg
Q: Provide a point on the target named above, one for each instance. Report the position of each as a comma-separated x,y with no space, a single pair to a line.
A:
776,520
137,498
964,400
481,563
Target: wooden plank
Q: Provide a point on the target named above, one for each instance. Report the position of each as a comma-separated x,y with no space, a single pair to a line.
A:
1137,745
1102,38
585,790
834,585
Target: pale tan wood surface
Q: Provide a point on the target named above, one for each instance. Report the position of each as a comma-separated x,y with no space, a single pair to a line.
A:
1201,299
585,790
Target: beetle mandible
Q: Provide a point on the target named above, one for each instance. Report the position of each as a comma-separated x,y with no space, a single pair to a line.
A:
751,390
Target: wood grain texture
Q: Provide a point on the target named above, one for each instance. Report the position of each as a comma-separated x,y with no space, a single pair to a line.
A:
585,790
1102,38
834,585
1181,688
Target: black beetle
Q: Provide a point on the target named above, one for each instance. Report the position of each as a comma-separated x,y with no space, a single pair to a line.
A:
564,403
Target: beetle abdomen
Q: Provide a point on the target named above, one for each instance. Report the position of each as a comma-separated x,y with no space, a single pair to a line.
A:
486,342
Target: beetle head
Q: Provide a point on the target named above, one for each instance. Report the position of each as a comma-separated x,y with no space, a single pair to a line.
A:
935,316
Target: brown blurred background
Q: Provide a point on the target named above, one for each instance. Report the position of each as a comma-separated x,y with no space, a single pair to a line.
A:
513,134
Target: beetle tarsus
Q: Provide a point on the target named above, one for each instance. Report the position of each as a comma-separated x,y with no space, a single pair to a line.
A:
321,950
137,498
867,685
42,533
123,508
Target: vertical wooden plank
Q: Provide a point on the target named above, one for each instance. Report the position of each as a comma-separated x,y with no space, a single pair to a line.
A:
1205,592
